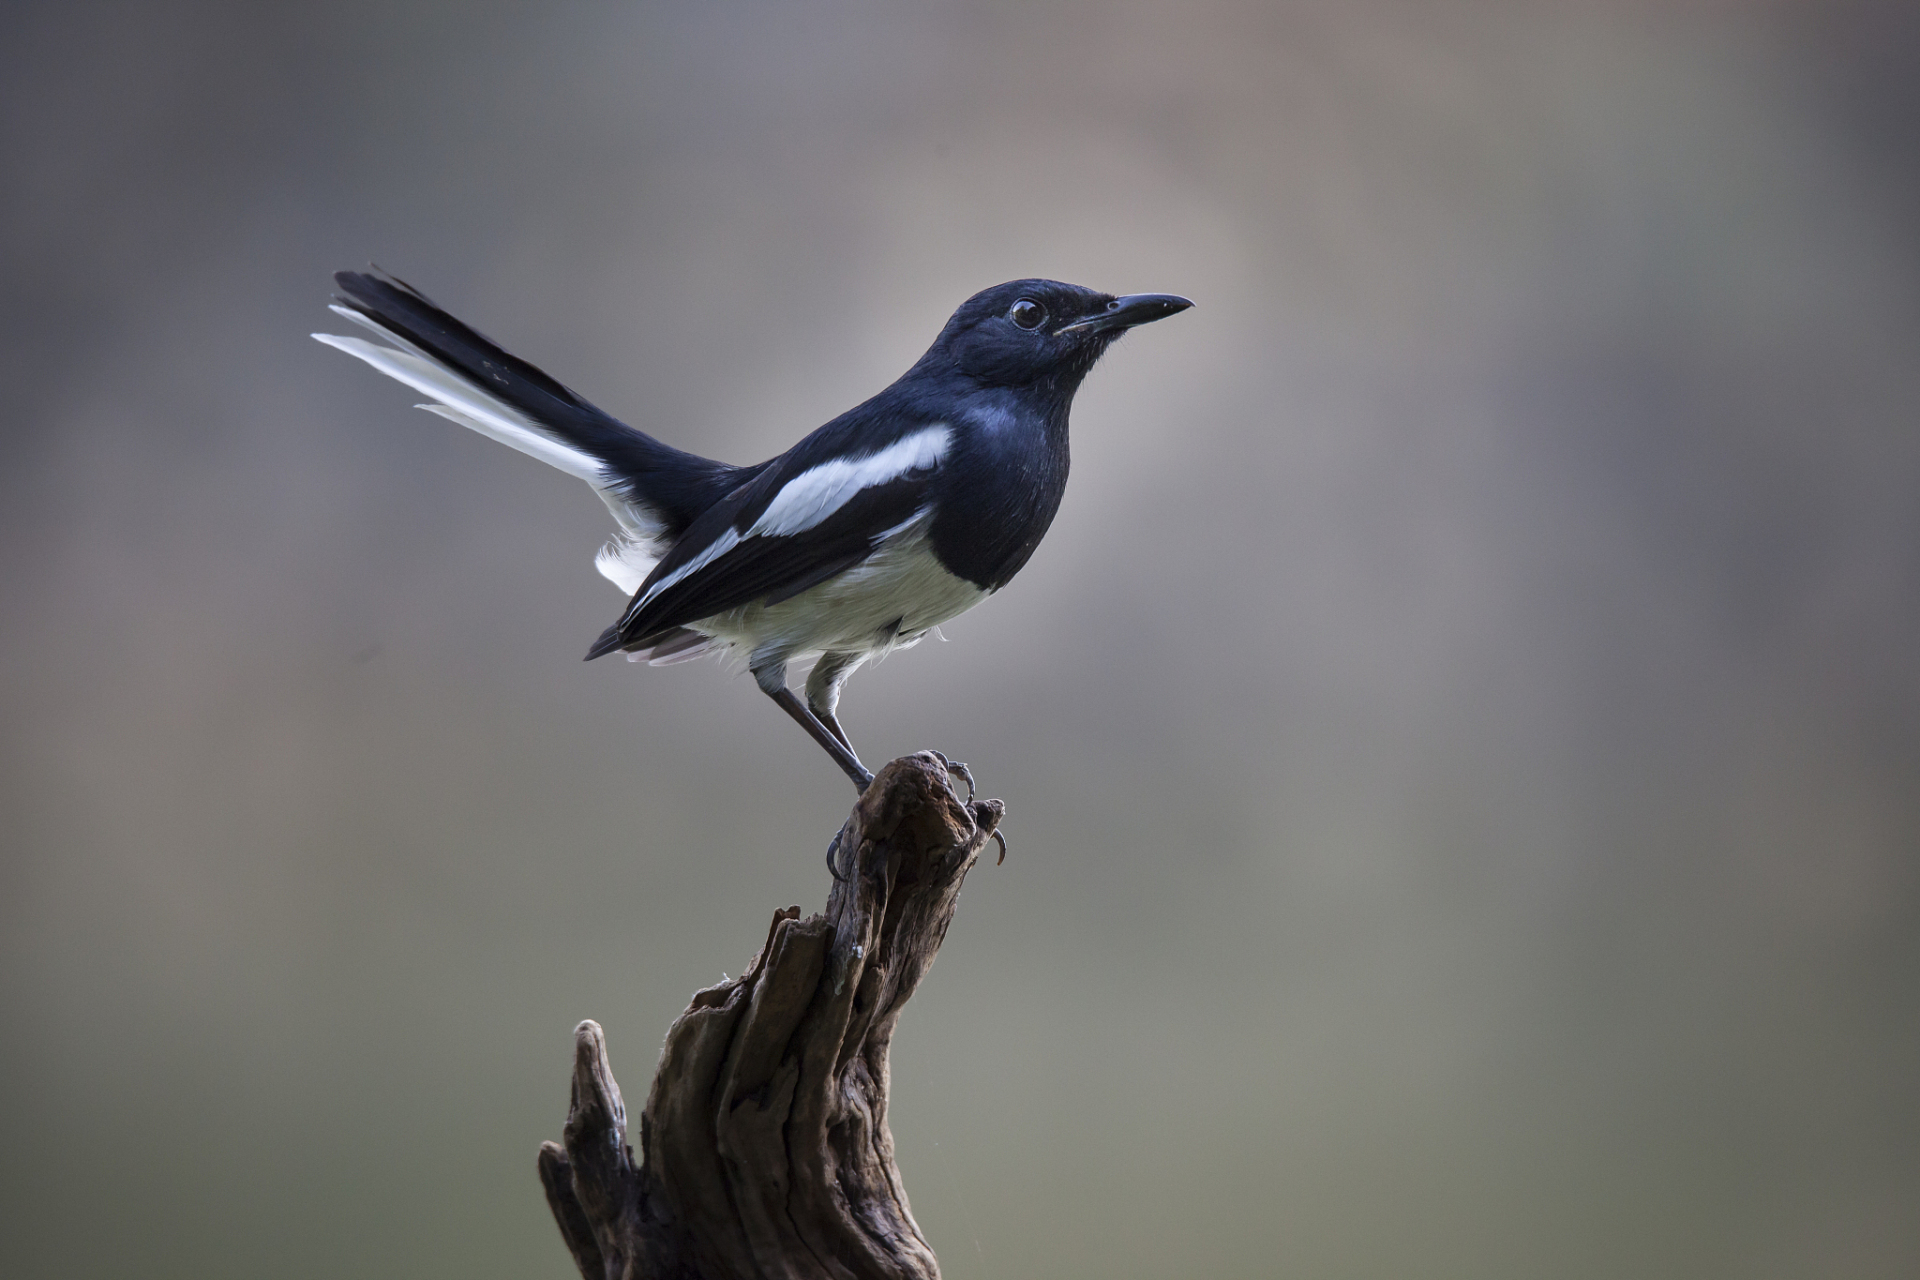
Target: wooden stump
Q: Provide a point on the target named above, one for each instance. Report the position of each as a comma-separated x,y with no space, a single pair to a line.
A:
764,1149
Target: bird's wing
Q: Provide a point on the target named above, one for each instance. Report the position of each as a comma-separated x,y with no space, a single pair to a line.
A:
655,491
809,516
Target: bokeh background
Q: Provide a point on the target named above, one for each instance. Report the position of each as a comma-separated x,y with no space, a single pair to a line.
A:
1462,735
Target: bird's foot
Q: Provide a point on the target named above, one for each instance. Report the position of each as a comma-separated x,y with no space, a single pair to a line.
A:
957,769
833,861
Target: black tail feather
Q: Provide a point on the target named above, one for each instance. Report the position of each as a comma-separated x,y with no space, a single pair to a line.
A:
677,485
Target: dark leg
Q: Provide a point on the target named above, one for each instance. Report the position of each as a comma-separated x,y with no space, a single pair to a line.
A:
824,683
823,690
833,727
849,763
773,681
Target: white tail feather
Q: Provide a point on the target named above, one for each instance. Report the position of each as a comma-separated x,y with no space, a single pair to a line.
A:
461,401
369,323
628,559
626,562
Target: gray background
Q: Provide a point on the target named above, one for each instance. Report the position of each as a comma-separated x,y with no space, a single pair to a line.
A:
1462,735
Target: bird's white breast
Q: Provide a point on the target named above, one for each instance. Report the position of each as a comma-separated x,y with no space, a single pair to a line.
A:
888,601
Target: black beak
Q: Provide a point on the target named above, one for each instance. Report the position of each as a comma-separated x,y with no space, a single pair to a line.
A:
1128,311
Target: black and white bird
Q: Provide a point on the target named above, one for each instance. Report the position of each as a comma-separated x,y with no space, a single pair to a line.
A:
892,518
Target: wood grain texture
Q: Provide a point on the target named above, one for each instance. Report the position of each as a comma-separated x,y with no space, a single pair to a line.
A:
763,1149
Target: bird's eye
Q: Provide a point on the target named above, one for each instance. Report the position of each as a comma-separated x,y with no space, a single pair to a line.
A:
1028,314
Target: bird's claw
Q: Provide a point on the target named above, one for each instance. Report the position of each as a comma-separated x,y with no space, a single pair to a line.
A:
957,769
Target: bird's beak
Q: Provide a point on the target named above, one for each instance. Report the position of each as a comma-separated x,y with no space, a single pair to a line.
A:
1128,311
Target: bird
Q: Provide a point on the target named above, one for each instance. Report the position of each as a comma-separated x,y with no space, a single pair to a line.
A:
901,513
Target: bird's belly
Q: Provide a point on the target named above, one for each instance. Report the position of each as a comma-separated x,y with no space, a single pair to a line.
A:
887,601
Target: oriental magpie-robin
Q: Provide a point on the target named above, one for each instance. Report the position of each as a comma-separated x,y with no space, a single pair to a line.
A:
897,515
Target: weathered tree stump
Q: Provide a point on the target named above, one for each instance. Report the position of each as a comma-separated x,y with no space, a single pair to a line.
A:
764,1148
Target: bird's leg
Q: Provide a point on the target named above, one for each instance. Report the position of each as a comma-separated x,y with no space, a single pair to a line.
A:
824,683
849,763
832,727
772,680
823,690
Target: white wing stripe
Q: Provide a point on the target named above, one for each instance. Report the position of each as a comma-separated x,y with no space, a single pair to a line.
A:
816,493
726,542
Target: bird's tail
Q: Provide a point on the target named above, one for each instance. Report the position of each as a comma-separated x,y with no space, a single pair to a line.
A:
654,490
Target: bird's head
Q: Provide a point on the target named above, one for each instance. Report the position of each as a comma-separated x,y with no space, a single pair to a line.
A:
1041,332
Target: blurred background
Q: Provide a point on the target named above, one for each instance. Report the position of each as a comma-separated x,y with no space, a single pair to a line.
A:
1461,737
